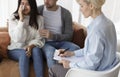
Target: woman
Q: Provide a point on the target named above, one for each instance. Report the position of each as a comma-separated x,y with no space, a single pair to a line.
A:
24,26
99,52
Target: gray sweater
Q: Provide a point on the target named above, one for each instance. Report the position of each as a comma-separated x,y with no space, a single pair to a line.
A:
67,29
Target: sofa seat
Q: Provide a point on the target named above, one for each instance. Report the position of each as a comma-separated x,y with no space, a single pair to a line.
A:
10,68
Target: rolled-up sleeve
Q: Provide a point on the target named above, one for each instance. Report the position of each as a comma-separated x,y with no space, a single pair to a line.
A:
79,52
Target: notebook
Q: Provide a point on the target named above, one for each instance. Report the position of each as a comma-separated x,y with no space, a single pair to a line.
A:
73,58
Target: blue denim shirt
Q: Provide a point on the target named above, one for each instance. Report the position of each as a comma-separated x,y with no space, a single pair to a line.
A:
99,52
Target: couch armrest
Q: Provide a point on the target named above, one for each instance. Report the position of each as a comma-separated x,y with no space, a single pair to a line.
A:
3,29
79,34
79,37
4,42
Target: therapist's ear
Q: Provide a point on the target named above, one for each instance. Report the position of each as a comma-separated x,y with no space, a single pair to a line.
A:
91,6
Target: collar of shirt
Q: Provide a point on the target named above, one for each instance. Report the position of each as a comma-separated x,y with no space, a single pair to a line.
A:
94,21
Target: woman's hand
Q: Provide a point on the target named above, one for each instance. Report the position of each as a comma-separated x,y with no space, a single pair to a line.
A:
20,12
29,50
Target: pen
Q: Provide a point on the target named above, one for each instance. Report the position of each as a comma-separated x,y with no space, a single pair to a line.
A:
63,51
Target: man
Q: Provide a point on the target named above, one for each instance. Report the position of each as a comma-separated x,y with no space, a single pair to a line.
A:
58,29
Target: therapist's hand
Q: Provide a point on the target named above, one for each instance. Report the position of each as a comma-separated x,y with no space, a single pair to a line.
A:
66,53
65,63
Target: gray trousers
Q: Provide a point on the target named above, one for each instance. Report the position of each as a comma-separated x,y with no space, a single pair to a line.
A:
57,71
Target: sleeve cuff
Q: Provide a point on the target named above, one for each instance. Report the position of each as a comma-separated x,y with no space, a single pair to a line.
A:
72,65
79,52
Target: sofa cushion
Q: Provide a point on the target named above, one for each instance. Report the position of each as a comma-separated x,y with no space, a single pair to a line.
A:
4,42
12,70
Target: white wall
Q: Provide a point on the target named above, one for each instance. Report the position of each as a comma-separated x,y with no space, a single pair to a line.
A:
3,12
112,10
12,6
66,3
72,6
7,7
40,2
75,11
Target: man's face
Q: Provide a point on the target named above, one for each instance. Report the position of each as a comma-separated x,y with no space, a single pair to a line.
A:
50,3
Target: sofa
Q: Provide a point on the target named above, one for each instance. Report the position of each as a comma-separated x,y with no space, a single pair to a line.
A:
9,68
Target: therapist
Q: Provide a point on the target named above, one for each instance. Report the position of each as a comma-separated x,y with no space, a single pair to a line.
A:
99,52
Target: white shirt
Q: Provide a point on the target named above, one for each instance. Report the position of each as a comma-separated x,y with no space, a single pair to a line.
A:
23,35
99,52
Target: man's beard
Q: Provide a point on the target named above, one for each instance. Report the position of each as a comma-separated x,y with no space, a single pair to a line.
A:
49,6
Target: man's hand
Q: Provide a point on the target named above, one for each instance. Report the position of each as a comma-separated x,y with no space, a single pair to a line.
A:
46,33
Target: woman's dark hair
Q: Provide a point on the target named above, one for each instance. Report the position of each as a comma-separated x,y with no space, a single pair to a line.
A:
33,13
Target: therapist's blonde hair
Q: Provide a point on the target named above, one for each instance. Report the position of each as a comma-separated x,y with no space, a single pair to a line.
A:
97,3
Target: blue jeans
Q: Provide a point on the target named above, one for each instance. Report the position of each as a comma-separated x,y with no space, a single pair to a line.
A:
51,46
20,55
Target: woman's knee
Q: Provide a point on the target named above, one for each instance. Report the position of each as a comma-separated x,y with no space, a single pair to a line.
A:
23,53
23,56
36,51
16,54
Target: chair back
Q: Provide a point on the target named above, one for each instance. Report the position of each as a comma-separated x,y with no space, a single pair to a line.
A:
74,72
